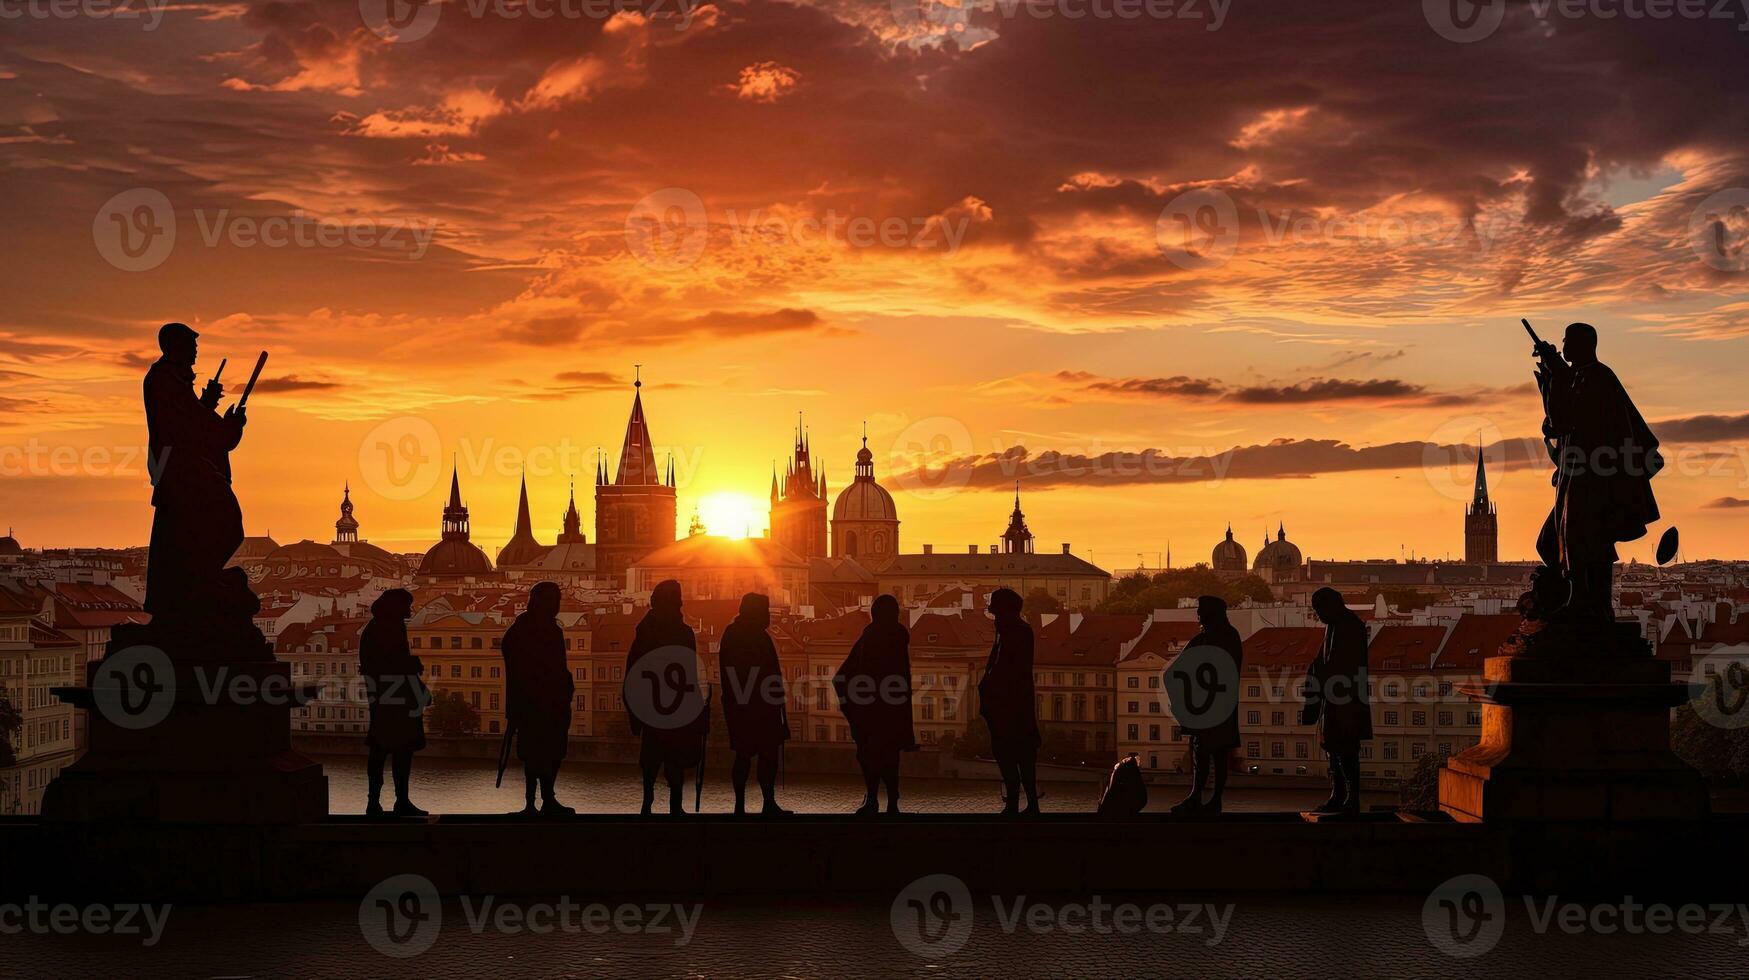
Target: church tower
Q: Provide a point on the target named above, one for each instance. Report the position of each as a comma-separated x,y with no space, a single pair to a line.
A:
634,513
346,528
865,524
1017,540
798,509
522,549
1481,523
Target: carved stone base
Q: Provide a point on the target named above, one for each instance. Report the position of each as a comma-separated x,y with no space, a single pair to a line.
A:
187,742
1575,726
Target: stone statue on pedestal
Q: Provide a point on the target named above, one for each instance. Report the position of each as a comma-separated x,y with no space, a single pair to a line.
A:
1605,457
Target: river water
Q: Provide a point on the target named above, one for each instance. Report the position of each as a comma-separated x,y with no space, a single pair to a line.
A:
466,786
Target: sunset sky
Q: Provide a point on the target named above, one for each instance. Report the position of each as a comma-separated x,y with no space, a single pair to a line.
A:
958,225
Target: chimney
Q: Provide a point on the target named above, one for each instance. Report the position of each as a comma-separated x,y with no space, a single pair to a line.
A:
995,550
1065,547
971,549
929,549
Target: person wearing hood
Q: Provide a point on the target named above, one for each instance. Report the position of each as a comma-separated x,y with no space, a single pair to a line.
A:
874,693
665,707
1210,714
539,687
394,686
1006,700
755,700
1337,698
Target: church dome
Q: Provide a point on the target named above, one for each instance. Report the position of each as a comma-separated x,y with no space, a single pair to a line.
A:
455,557
9,547
1280,555
864,500
1229,555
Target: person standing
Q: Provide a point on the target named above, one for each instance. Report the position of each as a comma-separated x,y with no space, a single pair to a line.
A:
1337,699
395,687
1209,712
755,704
664,705
1007,702
539,688
874,693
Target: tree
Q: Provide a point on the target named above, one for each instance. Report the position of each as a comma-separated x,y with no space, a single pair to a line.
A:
975,743
1039,602
451,714
1136,593
1704,741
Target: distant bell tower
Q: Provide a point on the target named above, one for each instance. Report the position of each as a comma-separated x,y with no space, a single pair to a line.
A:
634,512
1017,540
1481,523
798,508
346,528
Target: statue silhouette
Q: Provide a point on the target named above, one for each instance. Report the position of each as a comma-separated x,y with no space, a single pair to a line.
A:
670,751
1005,698
1214,734
199,608
539,691
1605,458
874,693
395,687
755,706
1337,699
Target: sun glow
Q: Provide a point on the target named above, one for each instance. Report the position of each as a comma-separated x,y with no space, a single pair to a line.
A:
730,514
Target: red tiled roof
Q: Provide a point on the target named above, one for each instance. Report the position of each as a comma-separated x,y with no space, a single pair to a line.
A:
1283,646
1163,638
1474,639
1399,647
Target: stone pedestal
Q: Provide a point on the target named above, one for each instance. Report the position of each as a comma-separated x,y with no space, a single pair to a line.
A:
1575,726
187,741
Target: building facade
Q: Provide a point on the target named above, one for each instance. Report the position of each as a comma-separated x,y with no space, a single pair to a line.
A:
798,506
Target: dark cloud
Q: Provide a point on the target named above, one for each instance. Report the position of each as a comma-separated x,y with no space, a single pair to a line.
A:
1703,428
1327,390
292,382
1727,503
551,331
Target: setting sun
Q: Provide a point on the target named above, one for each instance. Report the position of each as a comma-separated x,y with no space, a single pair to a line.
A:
730,514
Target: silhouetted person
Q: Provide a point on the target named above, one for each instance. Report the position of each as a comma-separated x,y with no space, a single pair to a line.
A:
1605,457
874,693
1005,698
1337,698
1214,727
539,689
395,686
198,524
755,700
673,736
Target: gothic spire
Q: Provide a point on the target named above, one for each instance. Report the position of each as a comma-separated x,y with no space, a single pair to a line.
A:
637,458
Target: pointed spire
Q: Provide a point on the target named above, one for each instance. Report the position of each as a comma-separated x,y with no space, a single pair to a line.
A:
1481,496
455,485
455,516
637,458
524,523
1280,531
774,481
